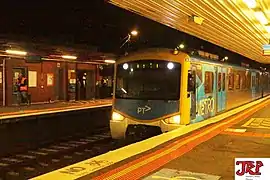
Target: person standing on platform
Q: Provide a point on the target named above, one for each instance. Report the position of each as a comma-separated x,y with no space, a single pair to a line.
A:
22,85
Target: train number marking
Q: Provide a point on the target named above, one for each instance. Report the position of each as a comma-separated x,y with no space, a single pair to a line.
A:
142,110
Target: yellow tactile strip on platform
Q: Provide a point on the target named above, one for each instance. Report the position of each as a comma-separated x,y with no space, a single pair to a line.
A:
263,123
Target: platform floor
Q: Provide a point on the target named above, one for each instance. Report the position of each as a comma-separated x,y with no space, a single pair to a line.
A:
208,153
55,106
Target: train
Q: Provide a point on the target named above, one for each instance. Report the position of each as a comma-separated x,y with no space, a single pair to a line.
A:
168,88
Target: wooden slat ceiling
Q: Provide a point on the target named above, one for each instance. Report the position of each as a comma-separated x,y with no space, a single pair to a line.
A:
230,24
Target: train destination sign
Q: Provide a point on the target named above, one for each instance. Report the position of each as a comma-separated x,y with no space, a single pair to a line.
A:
208,55
266,50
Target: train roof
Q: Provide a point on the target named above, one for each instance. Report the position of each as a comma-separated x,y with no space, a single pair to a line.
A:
154,53
166,53
199,59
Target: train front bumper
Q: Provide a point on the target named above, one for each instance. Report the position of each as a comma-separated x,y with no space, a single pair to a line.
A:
119,127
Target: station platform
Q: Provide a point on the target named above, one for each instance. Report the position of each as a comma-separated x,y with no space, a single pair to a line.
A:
201,151
48,108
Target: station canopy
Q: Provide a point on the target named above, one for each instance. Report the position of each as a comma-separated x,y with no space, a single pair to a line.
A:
241,26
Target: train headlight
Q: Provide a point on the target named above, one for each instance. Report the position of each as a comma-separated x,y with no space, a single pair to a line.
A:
117,117
173,120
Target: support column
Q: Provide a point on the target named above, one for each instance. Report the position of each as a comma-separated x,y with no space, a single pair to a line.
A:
4,81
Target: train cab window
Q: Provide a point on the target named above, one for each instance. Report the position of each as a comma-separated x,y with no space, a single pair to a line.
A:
219,81
237,81
223,81
231,81
208,82
153,80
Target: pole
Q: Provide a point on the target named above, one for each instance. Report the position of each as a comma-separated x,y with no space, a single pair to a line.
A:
128,39
262,82
4,82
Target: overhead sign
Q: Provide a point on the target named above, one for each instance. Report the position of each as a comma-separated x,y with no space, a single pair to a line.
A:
266,50
208,55
33,59
245,65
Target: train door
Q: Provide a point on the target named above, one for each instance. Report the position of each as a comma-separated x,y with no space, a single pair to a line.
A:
206,98
90,85
193,93
15,73
221,89
253,84
60,90
1,86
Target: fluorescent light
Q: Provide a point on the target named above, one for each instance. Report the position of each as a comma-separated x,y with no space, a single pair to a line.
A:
124,90
198,20
267,28
181,46
16,52
110,61
134,33
261,17
69,57
250,3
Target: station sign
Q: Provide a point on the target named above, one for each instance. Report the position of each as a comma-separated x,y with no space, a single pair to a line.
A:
266,50
33,59
245,65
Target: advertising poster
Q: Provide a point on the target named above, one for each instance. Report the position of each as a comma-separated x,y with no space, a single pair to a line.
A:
1,77
32,78
49,79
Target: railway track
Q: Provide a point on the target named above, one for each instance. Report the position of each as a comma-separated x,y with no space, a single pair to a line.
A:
52,156
55,155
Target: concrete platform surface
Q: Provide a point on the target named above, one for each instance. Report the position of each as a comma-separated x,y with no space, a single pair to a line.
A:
39,108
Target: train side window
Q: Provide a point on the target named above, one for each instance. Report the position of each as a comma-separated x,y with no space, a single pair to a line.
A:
231,81
237,81
248,77
219,81
208,82
258,80
253,81
223,82
243,78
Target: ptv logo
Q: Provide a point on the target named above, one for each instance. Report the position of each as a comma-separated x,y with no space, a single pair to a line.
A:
249,168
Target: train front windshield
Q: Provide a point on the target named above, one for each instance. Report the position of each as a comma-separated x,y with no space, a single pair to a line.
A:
148,80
